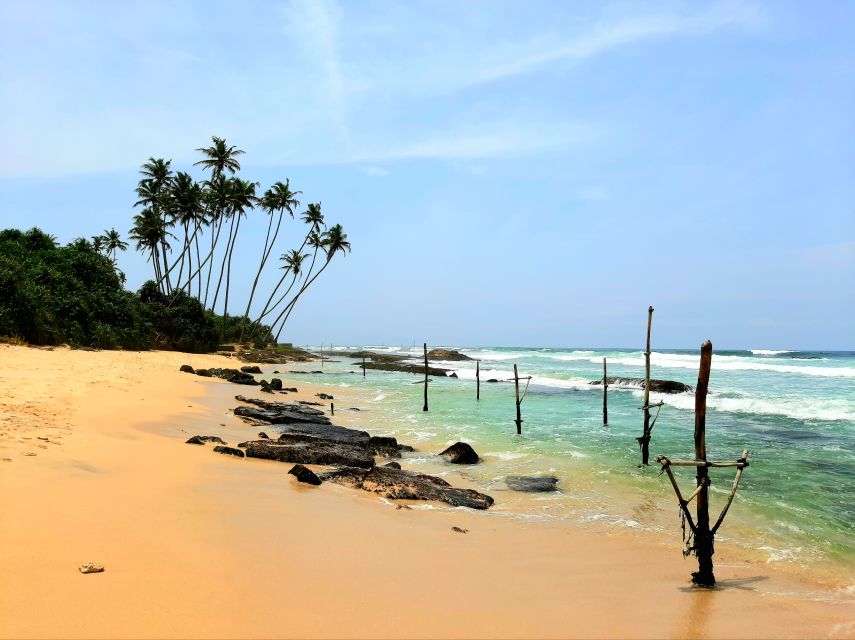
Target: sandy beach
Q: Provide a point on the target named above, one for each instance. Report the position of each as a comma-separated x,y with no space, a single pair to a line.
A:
93,467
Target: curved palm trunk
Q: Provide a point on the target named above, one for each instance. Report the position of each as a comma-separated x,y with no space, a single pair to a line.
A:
181,258
223,265
199,271
165,267
265,254
215,239
290,307
267,308
229,272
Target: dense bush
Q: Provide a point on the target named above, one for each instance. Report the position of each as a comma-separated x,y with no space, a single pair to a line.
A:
73,294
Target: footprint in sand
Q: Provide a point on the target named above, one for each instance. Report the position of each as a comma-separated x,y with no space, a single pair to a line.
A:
29,453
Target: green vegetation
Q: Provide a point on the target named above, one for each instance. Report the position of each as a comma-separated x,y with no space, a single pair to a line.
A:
50,294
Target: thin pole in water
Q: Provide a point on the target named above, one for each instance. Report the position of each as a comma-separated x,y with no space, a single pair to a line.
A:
517,391
605,394
425,408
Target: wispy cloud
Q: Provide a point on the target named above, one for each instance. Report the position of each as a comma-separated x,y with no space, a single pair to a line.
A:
607,37
318,24
374,171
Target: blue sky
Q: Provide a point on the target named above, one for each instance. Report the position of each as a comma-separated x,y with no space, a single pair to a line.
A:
508,173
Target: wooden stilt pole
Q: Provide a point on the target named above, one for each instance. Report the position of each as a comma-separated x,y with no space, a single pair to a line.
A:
703,537
425,408
605,395
477,379
517,391
332,408
644,440
363,366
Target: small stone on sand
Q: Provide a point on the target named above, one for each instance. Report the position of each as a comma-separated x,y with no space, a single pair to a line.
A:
91,567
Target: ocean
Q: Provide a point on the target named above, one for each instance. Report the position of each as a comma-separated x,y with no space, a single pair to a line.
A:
794,410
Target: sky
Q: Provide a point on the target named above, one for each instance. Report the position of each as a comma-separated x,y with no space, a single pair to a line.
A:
508,173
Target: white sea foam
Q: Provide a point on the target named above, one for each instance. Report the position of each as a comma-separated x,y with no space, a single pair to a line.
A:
506,455
798,408
724,363
769,352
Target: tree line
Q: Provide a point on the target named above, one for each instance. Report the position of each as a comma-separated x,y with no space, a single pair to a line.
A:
188,230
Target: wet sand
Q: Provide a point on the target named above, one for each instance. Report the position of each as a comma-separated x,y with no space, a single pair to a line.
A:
197,544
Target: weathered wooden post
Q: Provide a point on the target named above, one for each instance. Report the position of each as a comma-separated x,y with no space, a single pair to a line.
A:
425,408
478,380
363,366
517,391
644,440
702,536
332,408
605,394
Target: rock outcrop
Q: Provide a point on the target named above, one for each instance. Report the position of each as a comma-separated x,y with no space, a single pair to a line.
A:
397,484
311,451
230,451
186,368
251,368
204,439
658,386
279,412
447,354
460,453
532,484
304,475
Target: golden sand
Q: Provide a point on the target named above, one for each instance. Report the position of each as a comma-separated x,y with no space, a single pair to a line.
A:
197,544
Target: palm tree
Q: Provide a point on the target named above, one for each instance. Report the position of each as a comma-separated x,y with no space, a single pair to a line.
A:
150,233
113,242
185,208
220,157
333,241
241,196
278,198
315,219
98,243
292,262
152,192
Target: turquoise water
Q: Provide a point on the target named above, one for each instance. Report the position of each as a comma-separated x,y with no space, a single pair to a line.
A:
794,410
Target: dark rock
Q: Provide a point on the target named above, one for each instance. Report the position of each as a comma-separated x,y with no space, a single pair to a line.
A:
291,389
242,445
492,380
393,465
459,530
446,354
309,403
376,357
186,368
204,373
658,386
452,375
304,475
266,389
307,431
276,384
403,367
324,396
311,451
251,368
204,439
263,435
405,447
354,409
397,484
383,446
460,453
275,371
279,412
231,451
234,376
530,484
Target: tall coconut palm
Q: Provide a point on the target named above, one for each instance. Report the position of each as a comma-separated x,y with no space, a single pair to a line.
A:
113,242
152,192
333,241
314,217
219,157
277,199
98,243
241,198
185,209
150,234
292,263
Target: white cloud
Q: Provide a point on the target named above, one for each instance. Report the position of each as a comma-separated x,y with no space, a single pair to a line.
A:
374,171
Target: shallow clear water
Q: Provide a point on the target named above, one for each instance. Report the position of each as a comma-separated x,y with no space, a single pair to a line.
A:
795,411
